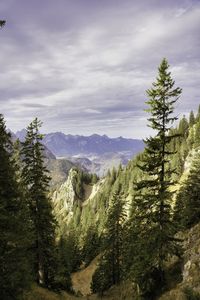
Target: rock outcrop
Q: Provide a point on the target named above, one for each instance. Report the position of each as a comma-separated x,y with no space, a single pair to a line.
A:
65,198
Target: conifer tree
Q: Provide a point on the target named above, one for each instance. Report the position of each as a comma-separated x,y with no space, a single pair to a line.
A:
197,134
70,251
198,114
191,138
191,119
35,176
111,261
153,197
187,209
14,225
183,128
91,245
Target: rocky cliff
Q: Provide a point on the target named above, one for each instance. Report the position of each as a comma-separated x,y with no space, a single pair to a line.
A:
65,198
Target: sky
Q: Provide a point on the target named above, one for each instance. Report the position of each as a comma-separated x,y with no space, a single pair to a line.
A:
83,66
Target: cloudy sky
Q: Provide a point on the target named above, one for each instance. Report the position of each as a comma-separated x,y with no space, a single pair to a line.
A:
83,66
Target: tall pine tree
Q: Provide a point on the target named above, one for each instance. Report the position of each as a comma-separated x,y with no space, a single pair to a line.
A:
14,225
36,179
153,197
187,209
191,119
110,269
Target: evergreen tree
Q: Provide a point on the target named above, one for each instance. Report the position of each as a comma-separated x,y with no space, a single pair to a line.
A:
184,149
63,278
36,179
198,114
70,251
191,119
101,279
191,138
197,134
187,209
14,225
91,247
183,128
110,269
152,199
94,178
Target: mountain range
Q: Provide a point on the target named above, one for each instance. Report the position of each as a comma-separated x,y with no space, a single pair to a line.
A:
94,153
69,145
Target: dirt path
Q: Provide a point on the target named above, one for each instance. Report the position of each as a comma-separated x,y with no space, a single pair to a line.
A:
81,280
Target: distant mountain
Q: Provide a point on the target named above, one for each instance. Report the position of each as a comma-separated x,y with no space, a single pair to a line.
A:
102,163
94,153
21,136
70,145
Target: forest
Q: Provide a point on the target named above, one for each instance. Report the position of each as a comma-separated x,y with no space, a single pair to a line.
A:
132,225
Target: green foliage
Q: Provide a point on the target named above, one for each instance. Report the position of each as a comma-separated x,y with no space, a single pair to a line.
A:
191,294
101,279
14,224
110,270
197,134
91,245
198,115
183,127
191,138
151,207
35,178
70,251
187,210
191,119
82,178
94,178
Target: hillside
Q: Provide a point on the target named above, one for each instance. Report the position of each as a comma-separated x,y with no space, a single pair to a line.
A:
132,234
187,278
81,213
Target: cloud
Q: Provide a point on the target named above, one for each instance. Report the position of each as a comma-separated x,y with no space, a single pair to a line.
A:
92,111
86,67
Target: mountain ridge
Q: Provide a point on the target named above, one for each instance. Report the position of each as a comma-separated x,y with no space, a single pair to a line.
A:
95,153
62,144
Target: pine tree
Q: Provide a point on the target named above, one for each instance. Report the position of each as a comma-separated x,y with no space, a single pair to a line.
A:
70,251
198,114
35,177
94,178
183,128
187,209
197,134
191,138
191,119
152,199
91,247
101,279
63,277
14,225
110,269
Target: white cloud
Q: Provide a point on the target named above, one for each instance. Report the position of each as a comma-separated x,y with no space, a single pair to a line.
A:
92,111
101,69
